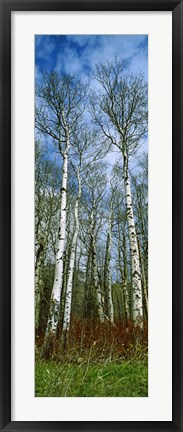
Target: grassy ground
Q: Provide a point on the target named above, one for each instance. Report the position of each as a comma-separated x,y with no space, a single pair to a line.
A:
127,379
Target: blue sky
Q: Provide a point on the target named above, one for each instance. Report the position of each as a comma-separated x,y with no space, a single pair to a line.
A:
78,54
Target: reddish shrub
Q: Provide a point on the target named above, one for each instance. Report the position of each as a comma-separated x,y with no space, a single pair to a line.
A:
103,341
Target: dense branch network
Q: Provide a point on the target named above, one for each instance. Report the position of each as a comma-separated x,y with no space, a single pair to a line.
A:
91,218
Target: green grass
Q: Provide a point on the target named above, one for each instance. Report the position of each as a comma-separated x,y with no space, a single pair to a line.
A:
128,379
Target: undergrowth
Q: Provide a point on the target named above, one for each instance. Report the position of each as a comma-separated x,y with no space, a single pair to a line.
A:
98,360
98,341
128,379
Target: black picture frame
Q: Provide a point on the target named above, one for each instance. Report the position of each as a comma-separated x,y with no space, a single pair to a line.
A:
6,7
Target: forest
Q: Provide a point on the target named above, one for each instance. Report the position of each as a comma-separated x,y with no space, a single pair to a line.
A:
91,232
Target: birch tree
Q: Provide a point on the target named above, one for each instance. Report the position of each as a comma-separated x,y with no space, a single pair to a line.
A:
120,110
58,112
94,191
69,288
121,241
83,156
139,183
107,267
47,180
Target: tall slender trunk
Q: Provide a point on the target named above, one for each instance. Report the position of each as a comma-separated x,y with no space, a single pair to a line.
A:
107,276
66,260
144,282
122,259
39,284
44,306
40,261
125,278
68,299
143,254
135,262
88,302
59,268
110,302
94,275
118,304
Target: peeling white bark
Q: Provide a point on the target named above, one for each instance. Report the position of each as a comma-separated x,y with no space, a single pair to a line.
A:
136,273
124,280
68,299
59,270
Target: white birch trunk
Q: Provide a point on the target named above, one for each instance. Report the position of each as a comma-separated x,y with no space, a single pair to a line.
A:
68,299
124,280
59,270
135,262
110,303
96,286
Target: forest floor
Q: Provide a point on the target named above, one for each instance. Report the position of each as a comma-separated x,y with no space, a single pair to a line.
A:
125,379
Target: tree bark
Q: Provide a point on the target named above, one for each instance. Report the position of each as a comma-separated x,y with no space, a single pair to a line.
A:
88,302
137,312
39,284
144,283
94,275
107,275
68,299
59,268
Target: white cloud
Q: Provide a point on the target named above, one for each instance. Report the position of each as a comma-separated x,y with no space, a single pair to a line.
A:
81,53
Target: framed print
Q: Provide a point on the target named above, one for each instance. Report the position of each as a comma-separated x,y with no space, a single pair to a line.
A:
91,215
